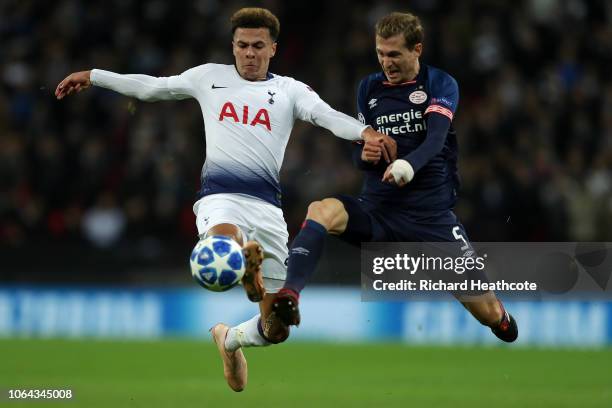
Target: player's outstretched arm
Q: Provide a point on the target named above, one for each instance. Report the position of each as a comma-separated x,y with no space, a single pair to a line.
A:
311,108
143,87
73,83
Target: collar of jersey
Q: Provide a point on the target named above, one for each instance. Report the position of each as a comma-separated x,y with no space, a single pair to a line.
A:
387,83
269,75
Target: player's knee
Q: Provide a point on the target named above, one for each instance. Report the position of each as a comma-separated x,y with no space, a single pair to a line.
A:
228,230
326,212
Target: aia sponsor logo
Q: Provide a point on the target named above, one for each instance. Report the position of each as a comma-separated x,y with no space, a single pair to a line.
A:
262,117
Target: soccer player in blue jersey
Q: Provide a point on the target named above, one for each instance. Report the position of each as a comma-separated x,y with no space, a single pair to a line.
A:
410,199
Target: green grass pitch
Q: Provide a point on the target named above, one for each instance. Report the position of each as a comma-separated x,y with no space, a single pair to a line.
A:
181,373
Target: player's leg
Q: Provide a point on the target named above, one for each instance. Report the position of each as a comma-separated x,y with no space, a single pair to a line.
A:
235,368
229,215
490,311
222,215
485,307
261,330
341,215
323,217
267,226
234,362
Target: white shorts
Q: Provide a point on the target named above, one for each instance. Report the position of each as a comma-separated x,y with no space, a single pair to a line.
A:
258,220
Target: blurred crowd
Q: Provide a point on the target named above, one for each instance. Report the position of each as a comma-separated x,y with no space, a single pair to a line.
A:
99,176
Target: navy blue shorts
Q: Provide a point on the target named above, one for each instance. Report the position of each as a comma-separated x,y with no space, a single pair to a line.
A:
370,222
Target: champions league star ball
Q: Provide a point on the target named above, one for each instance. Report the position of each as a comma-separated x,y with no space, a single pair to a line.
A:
217,263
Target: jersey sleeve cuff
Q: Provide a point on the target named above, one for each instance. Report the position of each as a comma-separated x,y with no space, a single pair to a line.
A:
93,76
363,128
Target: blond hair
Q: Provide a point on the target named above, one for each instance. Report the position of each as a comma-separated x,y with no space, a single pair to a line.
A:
406,24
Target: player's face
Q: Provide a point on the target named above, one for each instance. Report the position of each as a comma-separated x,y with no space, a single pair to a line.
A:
253,48
398,62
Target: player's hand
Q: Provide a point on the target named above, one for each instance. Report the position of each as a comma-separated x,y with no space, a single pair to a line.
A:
398,173
374,138
73,83
372,152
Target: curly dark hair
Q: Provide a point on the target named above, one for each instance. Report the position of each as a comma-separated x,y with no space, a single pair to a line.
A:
255,17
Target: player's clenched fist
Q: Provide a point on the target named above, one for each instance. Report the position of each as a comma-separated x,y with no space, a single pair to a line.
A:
377,145
372,152
74,82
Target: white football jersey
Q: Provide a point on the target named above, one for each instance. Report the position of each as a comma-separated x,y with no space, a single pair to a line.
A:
247,123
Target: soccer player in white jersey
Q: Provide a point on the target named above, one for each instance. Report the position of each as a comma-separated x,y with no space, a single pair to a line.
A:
248,116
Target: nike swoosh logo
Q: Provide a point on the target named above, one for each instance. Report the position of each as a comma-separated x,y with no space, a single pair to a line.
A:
217,87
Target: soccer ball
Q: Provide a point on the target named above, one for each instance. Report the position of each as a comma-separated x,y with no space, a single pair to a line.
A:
217,263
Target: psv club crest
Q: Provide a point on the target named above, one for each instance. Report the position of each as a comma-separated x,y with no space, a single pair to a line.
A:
417,97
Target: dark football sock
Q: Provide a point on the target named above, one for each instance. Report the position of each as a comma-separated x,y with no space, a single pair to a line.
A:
304,254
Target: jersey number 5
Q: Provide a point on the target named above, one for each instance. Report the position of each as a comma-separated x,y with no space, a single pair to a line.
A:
459,237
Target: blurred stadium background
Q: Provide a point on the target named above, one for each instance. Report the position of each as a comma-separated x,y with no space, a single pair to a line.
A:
96,193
